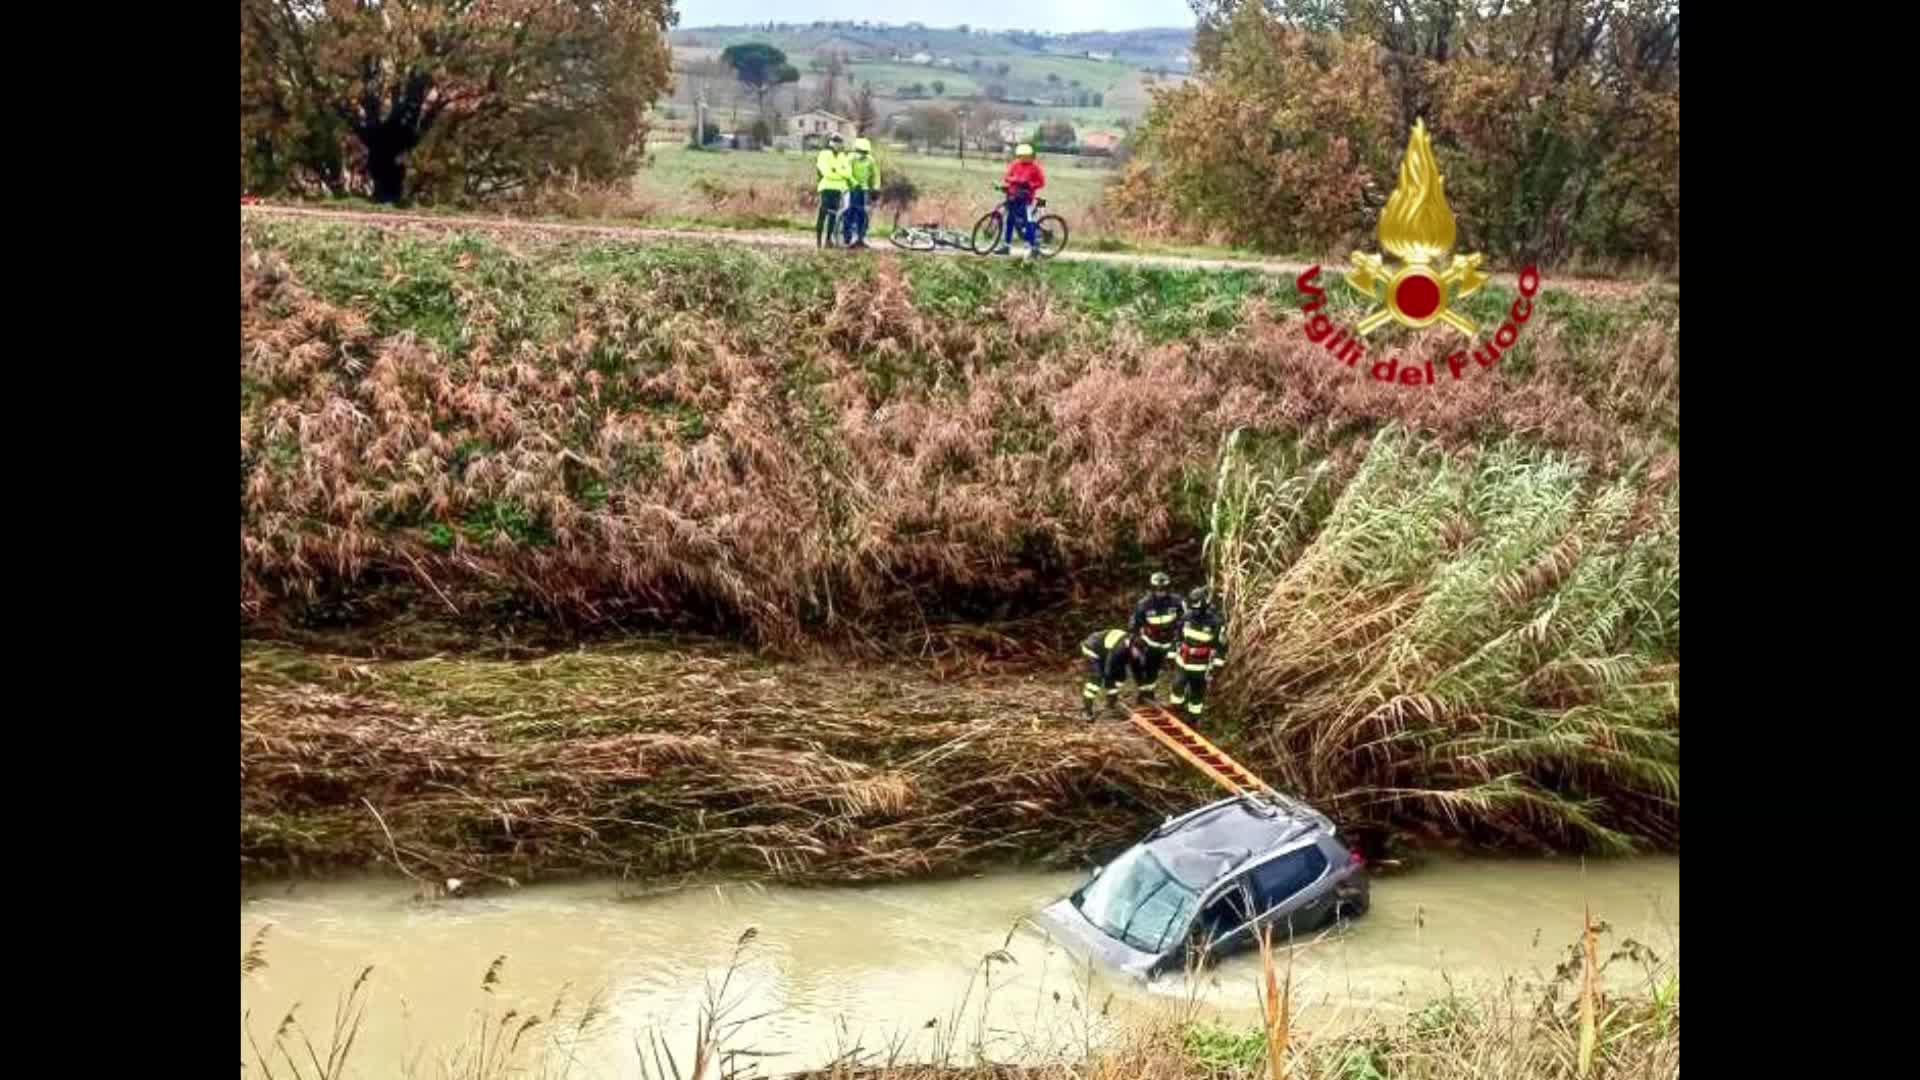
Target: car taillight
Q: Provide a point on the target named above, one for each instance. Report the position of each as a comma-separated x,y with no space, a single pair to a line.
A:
1354,858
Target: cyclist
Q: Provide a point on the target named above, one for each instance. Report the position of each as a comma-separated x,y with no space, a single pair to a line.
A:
864,185
1023,181
832,167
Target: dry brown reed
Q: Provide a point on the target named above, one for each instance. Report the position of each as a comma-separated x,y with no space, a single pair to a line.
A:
608,436
662,762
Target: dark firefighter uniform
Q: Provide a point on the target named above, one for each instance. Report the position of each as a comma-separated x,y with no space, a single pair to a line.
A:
1202,648
1110,658
1156,629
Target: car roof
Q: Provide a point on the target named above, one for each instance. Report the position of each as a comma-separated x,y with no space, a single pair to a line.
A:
1203,845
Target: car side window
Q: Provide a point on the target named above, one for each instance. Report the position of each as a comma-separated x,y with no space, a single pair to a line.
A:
1227,913
1276,882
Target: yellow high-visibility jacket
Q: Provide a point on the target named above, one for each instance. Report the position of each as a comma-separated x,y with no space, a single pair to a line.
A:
834,171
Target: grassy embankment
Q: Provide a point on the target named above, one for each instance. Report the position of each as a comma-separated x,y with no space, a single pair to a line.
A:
1468,626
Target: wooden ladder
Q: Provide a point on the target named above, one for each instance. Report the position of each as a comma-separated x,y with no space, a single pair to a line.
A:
1193,748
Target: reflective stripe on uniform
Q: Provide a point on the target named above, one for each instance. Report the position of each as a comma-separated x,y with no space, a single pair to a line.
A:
1184,666
1162,620
1114,637
1090,690
1091,655
1193,634
1195,708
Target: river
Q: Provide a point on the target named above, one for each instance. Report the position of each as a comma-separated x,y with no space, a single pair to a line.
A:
831,968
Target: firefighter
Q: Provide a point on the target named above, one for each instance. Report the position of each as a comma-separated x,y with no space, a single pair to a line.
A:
1202,649
1156,629
1111,657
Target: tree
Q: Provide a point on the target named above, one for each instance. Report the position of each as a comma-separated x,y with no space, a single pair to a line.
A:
939,87
474,97
996,91
983,126
866,118
1002,68
1055,135
761,68
832,66
1099,99
932,125
1556,123
1053,79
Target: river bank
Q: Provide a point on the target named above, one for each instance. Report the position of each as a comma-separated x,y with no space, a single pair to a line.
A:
1455,617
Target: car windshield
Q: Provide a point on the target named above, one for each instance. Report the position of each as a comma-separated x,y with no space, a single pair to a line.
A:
1137,901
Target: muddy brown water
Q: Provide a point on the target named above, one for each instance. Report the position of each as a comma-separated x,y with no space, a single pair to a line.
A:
832,969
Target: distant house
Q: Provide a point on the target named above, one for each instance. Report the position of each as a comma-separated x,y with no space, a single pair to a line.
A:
945,61
921,58
1091,55
811,128
1100,142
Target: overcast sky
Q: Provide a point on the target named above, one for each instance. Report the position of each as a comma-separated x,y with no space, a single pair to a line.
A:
1056,15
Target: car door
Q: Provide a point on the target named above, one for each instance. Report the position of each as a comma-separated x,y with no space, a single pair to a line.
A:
1223,922
1289,890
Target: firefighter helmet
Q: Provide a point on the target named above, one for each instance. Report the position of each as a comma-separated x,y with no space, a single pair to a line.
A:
1159,580
1200,599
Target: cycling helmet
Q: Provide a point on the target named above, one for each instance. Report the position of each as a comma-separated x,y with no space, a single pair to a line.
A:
861,144
1023,150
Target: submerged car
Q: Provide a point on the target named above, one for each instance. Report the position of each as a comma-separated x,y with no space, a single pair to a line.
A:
1202,884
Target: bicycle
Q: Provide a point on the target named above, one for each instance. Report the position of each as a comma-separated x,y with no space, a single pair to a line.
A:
926,236
1049,230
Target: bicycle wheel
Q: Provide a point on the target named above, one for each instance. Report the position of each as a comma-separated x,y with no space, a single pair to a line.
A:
1050,233
910,237
987,232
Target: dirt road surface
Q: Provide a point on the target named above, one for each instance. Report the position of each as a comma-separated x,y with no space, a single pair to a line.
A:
447,222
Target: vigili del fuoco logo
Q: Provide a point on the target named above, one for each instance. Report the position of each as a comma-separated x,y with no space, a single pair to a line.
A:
1417,230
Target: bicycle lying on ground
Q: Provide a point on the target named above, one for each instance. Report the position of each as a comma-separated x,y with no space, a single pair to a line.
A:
926,236
1049,230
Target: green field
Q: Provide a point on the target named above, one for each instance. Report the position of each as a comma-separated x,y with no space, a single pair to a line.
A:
872,54
887,79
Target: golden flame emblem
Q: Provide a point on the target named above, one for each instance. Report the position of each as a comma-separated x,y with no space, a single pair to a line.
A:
1417,228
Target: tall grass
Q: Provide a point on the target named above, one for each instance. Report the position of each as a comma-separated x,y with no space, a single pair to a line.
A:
1481,640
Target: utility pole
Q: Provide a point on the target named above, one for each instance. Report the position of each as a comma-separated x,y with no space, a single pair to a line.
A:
962,147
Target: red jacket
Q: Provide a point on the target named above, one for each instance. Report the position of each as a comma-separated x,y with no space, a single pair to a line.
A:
1026,171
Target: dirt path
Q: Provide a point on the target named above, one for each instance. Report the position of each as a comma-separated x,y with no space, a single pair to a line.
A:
1581,286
